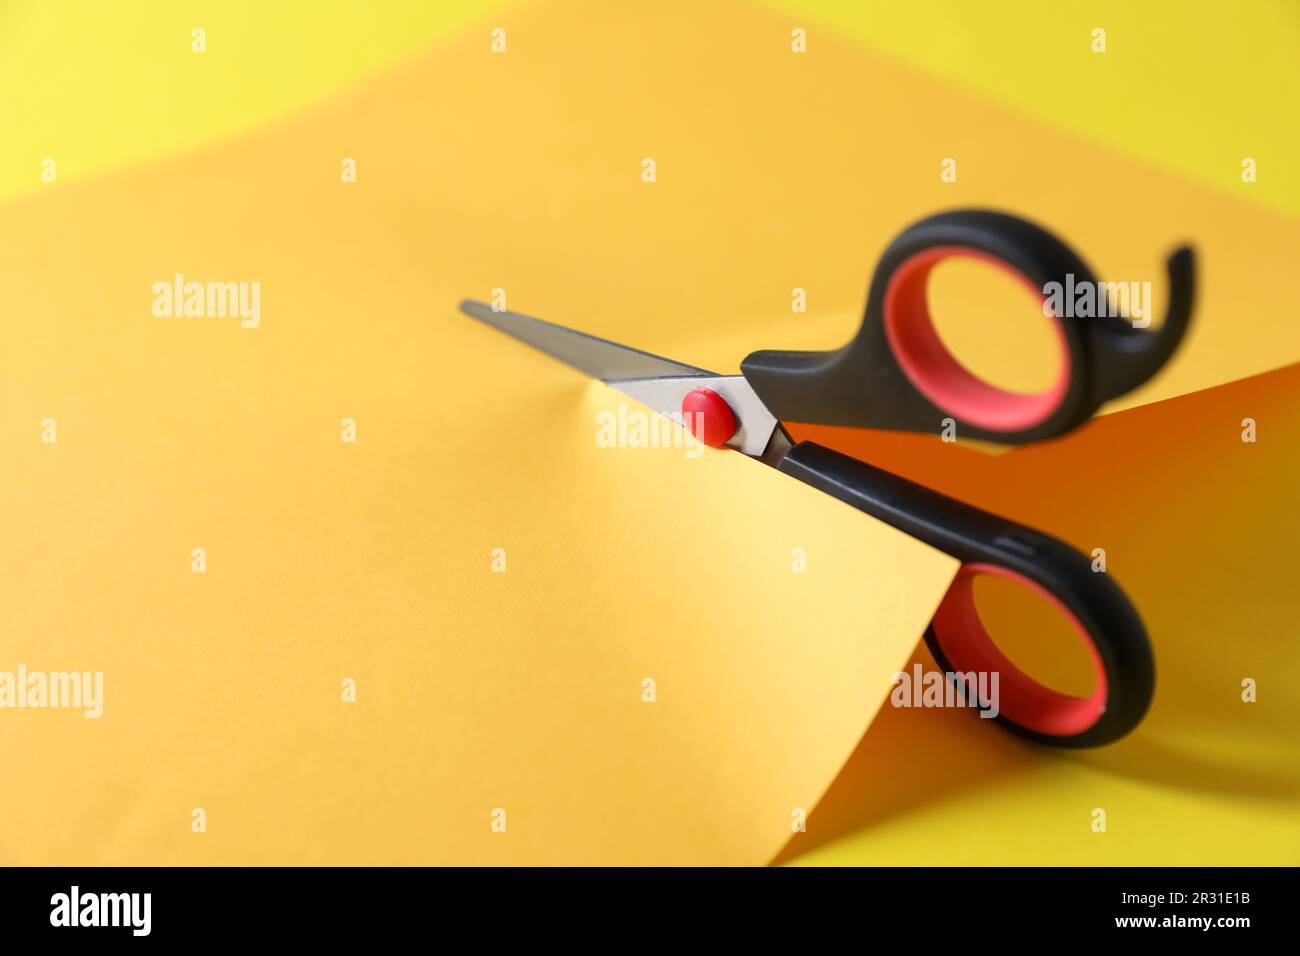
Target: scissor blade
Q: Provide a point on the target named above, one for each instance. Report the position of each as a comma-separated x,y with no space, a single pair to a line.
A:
754,423
654,381
599,358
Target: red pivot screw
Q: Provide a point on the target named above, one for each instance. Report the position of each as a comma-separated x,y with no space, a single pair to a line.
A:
709,417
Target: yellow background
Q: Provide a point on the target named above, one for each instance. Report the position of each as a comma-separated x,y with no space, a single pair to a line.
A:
521,171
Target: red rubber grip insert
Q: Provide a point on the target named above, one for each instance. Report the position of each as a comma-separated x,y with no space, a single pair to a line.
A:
937,374
1022,700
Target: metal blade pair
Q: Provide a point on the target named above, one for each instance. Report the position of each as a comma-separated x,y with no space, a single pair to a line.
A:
652,380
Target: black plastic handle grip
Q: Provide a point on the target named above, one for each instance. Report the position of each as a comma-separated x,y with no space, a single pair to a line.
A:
896,374
984,541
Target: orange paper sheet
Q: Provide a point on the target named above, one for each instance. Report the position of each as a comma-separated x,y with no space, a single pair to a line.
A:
329,561
666,661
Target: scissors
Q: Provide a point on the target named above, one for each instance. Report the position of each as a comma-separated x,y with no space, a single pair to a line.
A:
897,374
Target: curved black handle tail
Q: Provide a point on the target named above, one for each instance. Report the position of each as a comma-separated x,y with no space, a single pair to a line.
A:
1128,356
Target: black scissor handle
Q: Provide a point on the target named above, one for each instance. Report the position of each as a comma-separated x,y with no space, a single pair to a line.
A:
897,373
987,544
